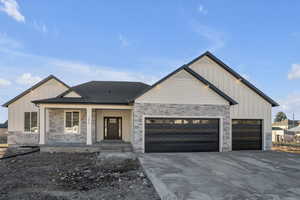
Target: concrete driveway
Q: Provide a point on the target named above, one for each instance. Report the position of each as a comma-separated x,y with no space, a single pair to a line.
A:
229,175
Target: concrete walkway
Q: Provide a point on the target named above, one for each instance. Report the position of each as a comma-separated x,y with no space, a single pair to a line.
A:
229,175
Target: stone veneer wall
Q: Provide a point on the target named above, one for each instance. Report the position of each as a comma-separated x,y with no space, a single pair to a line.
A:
141,109
268,140
56,134
21,138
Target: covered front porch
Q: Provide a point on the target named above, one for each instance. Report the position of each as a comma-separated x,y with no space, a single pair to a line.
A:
84,125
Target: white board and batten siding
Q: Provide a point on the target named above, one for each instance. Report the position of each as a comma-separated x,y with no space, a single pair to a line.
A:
16,110
250,104
182,88
72,94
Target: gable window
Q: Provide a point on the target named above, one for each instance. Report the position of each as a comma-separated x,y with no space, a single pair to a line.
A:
30,122
72,121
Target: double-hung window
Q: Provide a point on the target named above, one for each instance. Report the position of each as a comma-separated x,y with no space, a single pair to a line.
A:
31,122
72,121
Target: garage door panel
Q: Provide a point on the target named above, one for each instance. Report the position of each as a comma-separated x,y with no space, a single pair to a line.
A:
181,135
247,134
180,128
178,133
180,139
249,145
182,147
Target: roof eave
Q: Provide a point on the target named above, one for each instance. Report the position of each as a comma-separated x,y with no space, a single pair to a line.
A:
99,103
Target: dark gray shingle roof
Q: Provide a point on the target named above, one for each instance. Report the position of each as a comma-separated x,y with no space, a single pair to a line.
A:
101,92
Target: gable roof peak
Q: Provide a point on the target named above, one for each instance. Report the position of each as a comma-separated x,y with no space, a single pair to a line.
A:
34,87
236,75
195,75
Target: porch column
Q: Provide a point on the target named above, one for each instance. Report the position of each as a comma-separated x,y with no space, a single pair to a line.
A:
42,125
89,126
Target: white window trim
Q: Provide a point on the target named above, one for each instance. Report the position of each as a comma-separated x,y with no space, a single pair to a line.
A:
30,132
79,125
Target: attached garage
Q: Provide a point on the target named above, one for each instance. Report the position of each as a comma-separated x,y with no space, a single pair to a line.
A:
246,134
181,135
203,87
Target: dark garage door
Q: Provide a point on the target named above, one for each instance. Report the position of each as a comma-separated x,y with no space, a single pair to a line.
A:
181,135
246,134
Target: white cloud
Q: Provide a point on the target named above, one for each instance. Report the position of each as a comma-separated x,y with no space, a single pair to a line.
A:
202,10
294,73
39,26
215,38
14,63
101,72
11,8
70,69
123,40
28,79
289,105
4,83
8,43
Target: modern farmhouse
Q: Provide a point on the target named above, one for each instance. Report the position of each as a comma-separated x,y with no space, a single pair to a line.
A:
202,106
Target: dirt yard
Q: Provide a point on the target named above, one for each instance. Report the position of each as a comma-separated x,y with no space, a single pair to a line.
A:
291,149
64,176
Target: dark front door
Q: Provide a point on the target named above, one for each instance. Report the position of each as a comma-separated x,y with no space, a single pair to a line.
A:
181,134
113,128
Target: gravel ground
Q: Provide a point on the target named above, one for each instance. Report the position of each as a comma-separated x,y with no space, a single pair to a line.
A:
64,176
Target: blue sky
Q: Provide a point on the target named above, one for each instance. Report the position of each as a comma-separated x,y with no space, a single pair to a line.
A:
79,41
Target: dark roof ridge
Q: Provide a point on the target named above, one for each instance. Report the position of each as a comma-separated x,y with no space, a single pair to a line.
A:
117,81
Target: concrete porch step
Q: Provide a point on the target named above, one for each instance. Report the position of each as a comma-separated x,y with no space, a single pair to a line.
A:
80,148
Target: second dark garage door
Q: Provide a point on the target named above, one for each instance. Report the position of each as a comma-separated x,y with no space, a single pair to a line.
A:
181,135
246,134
